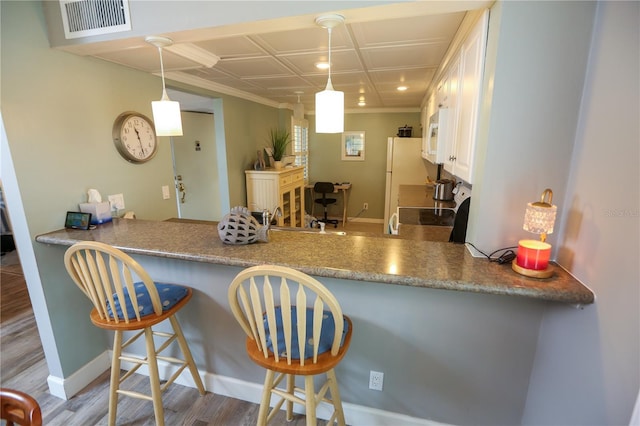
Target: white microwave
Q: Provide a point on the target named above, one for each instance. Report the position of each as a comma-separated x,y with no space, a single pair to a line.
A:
434,143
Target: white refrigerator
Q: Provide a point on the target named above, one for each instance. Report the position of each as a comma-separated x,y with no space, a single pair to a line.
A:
405,166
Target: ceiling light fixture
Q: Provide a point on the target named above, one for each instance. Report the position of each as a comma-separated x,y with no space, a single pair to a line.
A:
402,88
329,102
322,65
166,113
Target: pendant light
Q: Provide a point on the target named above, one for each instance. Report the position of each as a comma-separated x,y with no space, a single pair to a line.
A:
329,102
166,113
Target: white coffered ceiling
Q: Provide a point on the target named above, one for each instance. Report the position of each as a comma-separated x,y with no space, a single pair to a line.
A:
371,57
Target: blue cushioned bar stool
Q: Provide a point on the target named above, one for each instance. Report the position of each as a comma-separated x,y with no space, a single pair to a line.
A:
294,327
107,276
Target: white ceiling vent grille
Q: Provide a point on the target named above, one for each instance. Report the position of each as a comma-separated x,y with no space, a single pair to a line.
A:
82,18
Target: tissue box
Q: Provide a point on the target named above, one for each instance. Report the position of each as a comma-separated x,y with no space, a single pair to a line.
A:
100,212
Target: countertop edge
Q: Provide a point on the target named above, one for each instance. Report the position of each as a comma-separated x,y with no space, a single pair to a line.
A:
530,288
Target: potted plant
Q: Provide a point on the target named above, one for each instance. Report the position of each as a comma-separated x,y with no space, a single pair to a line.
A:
279,139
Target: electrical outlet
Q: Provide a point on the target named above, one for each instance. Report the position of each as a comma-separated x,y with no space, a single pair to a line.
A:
365,206
376,378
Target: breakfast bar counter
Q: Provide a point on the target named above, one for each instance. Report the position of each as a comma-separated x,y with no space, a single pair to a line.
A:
352,256
438,322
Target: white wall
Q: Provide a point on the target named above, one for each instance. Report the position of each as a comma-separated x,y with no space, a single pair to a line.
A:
563,102
535,68
587,367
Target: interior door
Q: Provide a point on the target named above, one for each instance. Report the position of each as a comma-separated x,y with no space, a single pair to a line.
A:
197,183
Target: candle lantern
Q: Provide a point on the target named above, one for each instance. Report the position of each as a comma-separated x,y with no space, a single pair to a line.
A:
533,255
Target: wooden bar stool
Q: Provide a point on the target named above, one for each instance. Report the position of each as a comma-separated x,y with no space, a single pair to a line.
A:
106,276
294,326
17,407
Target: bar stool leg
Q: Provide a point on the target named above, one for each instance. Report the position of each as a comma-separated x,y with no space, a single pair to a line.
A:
154,377
115,377
263,412
310,401
290,386
186,352
335,396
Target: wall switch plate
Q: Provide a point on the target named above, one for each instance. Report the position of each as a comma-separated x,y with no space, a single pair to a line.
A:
165,192
116,201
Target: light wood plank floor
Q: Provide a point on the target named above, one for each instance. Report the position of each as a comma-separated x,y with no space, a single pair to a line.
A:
23,367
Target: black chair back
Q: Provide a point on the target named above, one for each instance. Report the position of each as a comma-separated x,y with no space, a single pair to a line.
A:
323,187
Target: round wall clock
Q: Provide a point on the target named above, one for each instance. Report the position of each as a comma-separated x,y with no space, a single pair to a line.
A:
134,136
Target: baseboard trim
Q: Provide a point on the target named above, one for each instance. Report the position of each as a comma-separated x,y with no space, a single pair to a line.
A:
251,392
229,387
65,388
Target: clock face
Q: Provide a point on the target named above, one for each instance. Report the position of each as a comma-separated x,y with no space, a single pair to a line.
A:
135,137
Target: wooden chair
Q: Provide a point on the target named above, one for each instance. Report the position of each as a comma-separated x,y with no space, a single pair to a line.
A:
106,276
266,300
17,407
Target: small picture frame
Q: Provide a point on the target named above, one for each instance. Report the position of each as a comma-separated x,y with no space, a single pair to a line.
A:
78,220
353,146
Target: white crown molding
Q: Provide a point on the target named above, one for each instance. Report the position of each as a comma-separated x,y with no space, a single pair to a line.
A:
221,88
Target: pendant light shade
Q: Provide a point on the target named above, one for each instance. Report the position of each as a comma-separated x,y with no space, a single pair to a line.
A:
166,113
166,116
329,102
329,110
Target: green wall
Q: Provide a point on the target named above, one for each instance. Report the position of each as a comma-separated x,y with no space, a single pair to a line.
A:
367,177
246,126
58,111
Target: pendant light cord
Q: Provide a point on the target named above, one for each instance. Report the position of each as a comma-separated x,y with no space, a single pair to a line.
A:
329,82
164,91
329,85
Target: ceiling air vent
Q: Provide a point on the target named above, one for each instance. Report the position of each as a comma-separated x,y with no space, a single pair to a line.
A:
82,18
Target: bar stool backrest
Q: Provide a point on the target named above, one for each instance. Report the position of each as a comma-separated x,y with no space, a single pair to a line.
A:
103,273
262,296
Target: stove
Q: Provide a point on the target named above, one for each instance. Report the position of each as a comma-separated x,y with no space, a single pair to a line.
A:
442,213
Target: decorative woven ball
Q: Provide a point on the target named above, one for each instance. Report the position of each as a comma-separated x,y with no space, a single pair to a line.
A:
240,227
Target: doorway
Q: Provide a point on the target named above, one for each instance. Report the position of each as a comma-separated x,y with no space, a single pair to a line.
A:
197,156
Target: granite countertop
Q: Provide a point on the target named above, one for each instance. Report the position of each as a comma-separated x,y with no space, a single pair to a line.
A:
354,256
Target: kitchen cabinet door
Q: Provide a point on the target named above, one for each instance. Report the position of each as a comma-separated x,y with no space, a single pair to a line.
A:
443,92
472,53
450,138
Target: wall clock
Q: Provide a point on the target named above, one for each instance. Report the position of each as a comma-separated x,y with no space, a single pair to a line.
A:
134,136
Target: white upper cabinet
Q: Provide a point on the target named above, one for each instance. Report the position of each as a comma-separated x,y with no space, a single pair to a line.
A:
464,93
453,76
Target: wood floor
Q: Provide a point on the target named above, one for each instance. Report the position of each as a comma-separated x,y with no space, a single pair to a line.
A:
23,367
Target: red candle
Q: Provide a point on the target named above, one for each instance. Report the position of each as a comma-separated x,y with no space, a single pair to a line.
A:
533,254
